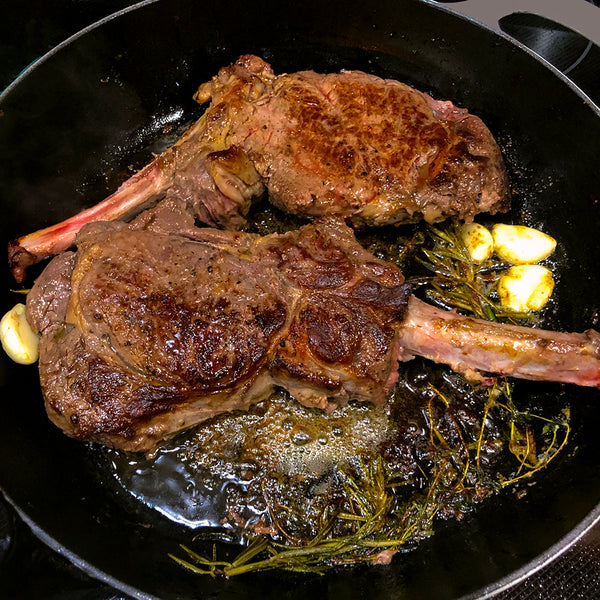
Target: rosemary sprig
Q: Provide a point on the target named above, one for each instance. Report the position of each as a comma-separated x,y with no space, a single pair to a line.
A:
457,282
371,521
377,523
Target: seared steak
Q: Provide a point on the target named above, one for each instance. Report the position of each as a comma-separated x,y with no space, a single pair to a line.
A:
370,150
161,330
152,327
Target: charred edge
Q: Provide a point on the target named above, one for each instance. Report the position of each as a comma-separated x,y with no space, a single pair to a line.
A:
298,372
19,260
388,298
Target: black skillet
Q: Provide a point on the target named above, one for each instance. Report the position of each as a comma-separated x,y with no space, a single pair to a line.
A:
75,123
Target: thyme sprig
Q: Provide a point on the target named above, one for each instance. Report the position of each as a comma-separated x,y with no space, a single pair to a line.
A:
523,441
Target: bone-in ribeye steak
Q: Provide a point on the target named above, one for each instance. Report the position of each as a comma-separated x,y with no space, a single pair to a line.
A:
152,327
370,150
152,332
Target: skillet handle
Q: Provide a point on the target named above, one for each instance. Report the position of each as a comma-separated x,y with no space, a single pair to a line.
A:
578,15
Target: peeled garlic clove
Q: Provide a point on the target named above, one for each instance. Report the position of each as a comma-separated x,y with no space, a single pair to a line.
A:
478,241
520,245
525,288
19,341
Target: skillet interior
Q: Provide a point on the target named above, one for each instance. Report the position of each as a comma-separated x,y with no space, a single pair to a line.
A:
72,127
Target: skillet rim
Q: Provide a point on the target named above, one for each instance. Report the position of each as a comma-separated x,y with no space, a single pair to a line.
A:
498,32
434,4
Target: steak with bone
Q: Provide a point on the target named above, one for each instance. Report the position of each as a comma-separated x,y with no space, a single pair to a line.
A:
152,327
370,150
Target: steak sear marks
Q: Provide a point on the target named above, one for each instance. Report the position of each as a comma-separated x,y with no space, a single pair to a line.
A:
163,330
372,151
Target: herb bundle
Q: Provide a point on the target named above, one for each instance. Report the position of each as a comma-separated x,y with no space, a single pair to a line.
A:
373,517
377,511
458,282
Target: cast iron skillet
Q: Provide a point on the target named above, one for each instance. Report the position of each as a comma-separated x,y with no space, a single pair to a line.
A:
73,125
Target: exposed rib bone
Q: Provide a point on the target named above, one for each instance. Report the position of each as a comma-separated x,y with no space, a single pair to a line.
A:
469,345
131,198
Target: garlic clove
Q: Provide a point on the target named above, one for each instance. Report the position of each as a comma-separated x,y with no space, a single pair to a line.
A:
519,245
478,241
18,339
526,288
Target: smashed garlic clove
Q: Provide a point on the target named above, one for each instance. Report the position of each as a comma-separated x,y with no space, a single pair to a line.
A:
19,341
521,245
526,288
478,241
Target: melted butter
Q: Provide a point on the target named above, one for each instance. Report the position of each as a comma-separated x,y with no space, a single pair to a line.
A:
167,485
215,474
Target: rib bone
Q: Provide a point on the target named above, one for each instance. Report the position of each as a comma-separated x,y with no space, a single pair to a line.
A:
469,345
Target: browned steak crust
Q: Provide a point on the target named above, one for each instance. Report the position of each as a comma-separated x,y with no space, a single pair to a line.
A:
372,150
163,330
